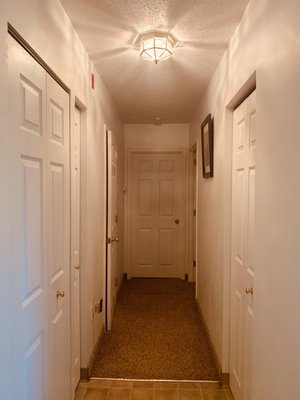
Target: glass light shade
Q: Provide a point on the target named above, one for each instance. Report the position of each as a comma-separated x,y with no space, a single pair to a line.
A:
156,47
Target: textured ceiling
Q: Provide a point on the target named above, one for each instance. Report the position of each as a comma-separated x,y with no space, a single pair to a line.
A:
142,90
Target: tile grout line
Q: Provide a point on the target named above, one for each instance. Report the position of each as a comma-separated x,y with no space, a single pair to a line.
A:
108,392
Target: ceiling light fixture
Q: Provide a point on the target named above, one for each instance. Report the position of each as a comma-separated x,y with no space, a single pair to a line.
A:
156,46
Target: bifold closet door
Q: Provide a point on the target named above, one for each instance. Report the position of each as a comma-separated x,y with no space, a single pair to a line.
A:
58,240
39,187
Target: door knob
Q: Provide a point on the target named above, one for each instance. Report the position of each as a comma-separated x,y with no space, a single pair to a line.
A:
116,239
60,293
249,290
176,221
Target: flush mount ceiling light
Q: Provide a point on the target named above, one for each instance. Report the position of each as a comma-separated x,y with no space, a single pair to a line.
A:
156,46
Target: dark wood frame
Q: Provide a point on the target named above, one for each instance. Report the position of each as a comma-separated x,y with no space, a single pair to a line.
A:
207,146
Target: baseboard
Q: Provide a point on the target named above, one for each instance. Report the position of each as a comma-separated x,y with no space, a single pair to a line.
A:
85,373
222,377
123,280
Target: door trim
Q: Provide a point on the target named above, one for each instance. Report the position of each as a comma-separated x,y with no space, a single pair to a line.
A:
185,210
192,236
26,46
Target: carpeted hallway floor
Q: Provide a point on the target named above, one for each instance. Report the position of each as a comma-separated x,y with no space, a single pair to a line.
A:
156,334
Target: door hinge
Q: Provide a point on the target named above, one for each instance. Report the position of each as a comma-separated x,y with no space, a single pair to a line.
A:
194,263
194,213
195,161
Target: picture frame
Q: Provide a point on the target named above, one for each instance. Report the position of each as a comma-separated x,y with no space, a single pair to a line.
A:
207,147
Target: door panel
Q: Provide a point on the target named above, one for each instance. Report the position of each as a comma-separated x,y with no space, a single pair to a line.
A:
27,138
58,239
155,206
243,263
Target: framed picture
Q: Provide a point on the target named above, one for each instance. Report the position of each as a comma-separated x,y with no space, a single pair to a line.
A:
207,147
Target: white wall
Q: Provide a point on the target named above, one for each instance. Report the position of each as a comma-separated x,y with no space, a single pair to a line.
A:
147,136
45,26
267,41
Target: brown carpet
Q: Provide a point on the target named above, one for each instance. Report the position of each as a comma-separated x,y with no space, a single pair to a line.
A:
156,334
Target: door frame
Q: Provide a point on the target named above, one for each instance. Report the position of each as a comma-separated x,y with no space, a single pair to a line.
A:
185,210
110,277
76,103
240,95
192,234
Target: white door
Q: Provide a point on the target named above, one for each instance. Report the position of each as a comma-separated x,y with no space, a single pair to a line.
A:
40,186
156,193
242,264
58,199
75,251
27,140
112,238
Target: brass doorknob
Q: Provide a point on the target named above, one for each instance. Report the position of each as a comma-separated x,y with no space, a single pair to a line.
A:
60,293
249,290
176,221
116,239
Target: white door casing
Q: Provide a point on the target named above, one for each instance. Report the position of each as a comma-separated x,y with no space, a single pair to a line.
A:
242,256
112,238
39,164
156,191
75,250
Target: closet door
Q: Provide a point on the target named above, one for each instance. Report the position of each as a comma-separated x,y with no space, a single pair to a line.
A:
28,188
58,243
40,229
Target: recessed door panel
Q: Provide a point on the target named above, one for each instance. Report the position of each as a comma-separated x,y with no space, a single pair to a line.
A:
57,219
166,198
166,166
56,122
33,228
144,197
166,248
34,369
145,248
31,109
145,166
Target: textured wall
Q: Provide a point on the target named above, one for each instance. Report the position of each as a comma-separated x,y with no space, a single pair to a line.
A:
267,41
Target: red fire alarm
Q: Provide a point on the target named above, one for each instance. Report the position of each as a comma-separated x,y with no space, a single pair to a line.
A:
93,81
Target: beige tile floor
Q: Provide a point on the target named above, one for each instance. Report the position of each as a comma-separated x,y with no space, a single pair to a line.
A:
138,390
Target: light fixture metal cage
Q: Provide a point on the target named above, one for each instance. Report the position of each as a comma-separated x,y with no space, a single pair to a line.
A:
156,46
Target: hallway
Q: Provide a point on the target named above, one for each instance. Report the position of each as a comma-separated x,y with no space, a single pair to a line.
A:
157,333
149,139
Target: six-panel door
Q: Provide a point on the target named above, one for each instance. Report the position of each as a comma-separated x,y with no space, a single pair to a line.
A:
156,215
40,208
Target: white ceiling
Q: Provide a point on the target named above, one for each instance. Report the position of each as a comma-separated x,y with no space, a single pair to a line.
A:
142,90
